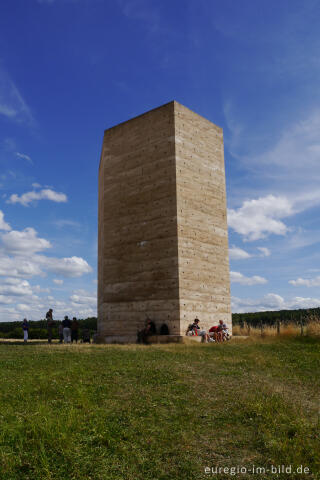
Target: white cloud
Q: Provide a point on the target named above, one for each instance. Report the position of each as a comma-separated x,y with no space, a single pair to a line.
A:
272,301
39,289
25,242
265,252
5,300
258,218
3,225
22,307
12,104
237,277
18,267
36,185
83,297
312,282
67,267
236,253
45,194
24,157
12,281
25,265
21,258
8,314
18,288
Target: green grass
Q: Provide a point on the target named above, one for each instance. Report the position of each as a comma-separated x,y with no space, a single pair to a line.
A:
158,412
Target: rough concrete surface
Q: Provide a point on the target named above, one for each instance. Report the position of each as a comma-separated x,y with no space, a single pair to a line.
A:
162,241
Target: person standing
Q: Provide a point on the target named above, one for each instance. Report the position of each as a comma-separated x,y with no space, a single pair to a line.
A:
74,330
66,323
25,328
49,318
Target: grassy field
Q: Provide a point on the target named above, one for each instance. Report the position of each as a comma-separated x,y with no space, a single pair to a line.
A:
159,412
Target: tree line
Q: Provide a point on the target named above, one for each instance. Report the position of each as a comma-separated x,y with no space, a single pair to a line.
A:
271,319
38,328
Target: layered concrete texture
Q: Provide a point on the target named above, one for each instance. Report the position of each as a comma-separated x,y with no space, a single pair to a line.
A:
162,242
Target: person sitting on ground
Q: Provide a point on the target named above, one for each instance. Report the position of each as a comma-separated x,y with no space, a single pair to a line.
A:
219,332
197,330
147,331
190,331
224,331
25,328
214,333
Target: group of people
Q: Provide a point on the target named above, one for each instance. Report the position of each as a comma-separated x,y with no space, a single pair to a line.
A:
217,333
68,330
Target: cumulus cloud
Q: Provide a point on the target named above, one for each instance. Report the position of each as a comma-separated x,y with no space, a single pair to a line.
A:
5,300
272,301
24,242
39,289
237,277
312,282
24,157
15,287
22,257
67,267
18,267
83,297
3,225
46,194
22,265
236,253
265,252
258,218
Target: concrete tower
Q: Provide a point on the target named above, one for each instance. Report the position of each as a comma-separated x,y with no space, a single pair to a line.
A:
163,241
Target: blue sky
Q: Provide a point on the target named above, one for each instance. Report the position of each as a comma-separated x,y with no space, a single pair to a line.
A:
71,68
